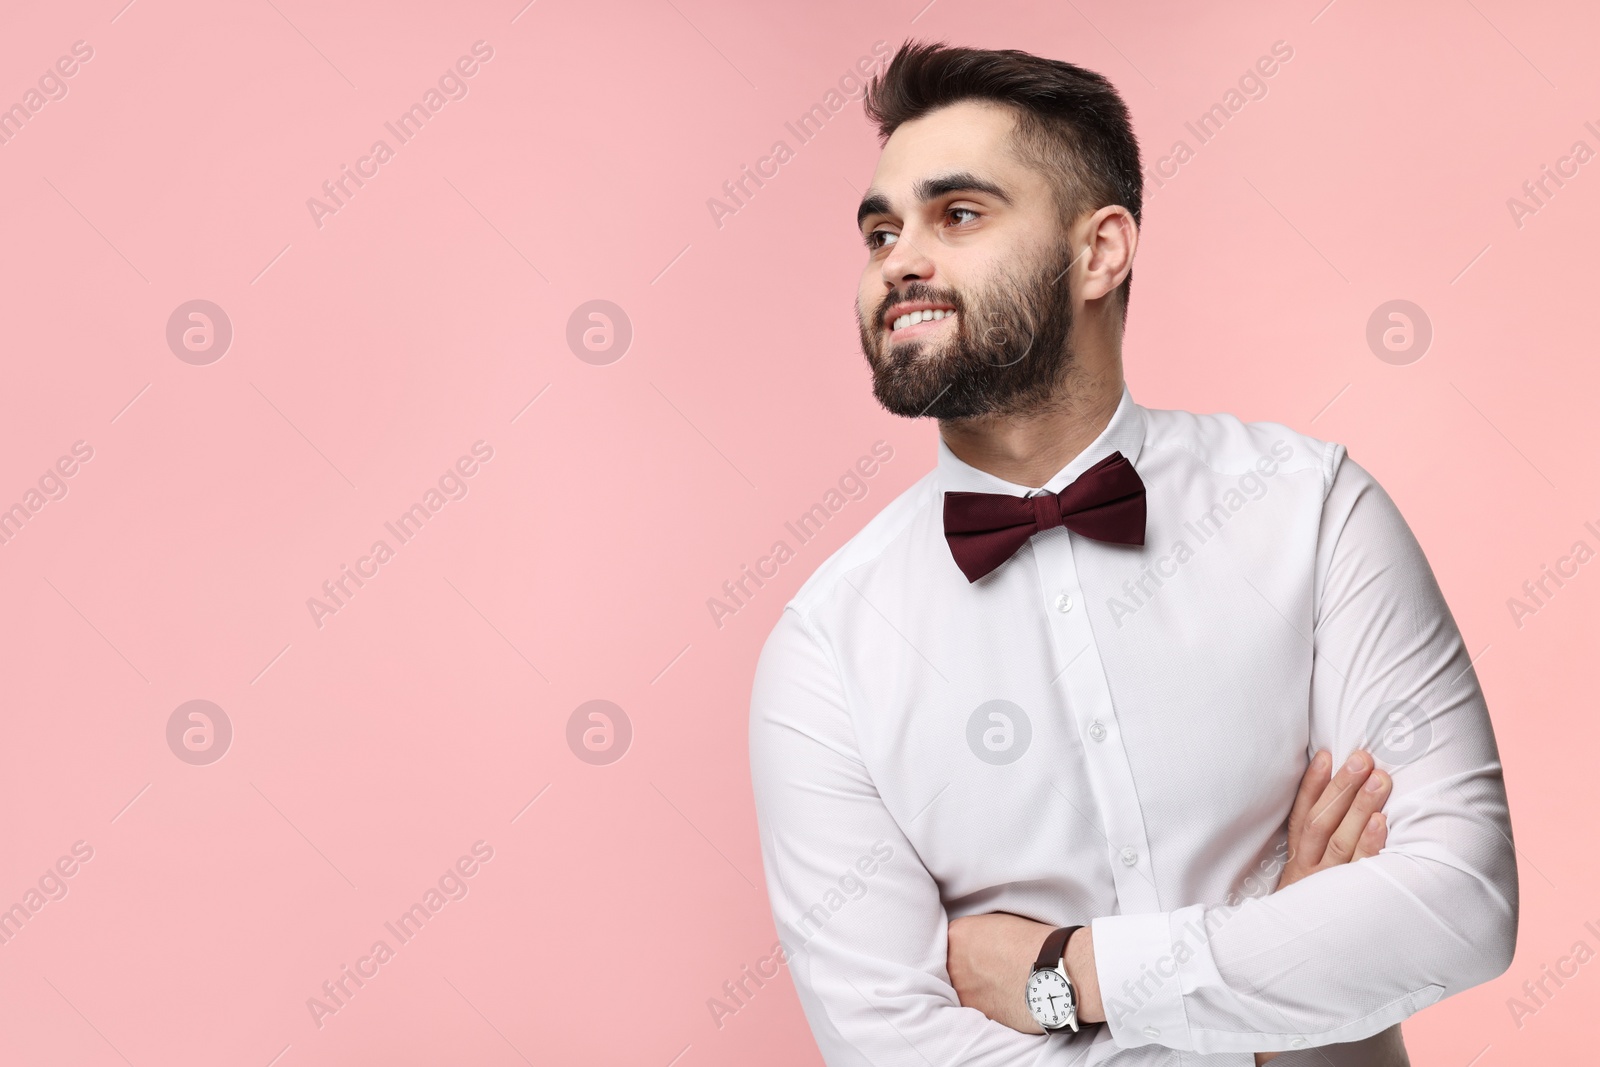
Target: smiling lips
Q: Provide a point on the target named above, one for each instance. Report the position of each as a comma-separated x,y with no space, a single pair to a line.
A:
908,319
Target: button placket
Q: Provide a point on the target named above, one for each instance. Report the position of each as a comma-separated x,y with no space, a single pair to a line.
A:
1088,699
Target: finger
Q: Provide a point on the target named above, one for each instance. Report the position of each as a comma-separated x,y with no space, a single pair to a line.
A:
1368,799
1373,837
1298,863
1332,805
1311,787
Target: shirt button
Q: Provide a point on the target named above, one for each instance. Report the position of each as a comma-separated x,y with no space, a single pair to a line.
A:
1129,857
1298,1042
1152,1031
1097,730
1064,603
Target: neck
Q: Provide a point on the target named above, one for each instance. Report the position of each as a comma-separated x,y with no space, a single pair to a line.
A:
1031,447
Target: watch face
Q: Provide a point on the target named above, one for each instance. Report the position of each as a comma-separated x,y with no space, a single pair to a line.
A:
1049,999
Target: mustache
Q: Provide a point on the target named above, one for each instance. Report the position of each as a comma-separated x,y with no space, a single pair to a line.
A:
919,291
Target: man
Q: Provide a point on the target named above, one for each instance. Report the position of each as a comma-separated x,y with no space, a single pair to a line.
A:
1026,751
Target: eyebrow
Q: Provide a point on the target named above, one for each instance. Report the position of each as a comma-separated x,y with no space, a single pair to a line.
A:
875,203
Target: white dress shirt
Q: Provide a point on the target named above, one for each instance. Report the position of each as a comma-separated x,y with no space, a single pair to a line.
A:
1113,735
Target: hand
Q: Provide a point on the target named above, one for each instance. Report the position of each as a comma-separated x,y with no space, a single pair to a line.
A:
1335,821
990,957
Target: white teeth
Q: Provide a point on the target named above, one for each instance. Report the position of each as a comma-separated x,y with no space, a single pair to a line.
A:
915,317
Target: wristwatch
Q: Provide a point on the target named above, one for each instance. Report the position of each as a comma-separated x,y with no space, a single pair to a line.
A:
1052,1001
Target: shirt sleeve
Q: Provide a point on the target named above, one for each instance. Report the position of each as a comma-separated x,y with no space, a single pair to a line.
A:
860,919
1354,949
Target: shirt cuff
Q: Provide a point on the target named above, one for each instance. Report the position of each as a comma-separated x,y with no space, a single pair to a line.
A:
1139,961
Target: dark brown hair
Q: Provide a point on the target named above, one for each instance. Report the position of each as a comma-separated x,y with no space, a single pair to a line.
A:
1072,124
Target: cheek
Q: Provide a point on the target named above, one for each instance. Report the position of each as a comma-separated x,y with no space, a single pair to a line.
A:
868,297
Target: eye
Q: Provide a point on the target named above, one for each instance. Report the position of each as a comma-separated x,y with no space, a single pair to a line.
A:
873,243
961,211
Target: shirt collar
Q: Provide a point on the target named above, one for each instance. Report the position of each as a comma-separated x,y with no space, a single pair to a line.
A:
1124,433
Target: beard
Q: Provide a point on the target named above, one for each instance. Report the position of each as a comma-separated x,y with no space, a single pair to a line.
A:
1009,353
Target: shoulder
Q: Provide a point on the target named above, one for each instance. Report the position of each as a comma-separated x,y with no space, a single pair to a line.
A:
879,539
1227,445
800,646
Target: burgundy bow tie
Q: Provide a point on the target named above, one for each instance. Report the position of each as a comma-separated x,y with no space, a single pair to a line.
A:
986,529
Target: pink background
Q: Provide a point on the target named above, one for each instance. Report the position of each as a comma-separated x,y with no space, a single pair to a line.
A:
371,352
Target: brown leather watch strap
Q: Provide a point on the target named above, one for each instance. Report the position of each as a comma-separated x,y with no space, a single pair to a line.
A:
1055,947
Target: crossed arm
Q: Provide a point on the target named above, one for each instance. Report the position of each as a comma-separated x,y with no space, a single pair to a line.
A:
1432,914
1336,819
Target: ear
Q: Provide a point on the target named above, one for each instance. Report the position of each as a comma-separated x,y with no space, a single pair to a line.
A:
1109,238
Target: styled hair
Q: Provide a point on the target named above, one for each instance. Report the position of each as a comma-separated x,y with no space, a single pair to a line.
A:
1071,122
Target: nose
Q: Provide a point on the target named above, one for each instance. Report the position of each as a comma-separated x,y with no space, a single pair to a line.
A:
906,263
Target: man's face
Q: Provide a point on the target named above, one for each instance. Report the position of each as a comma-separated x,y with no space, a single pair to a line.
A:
957,226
